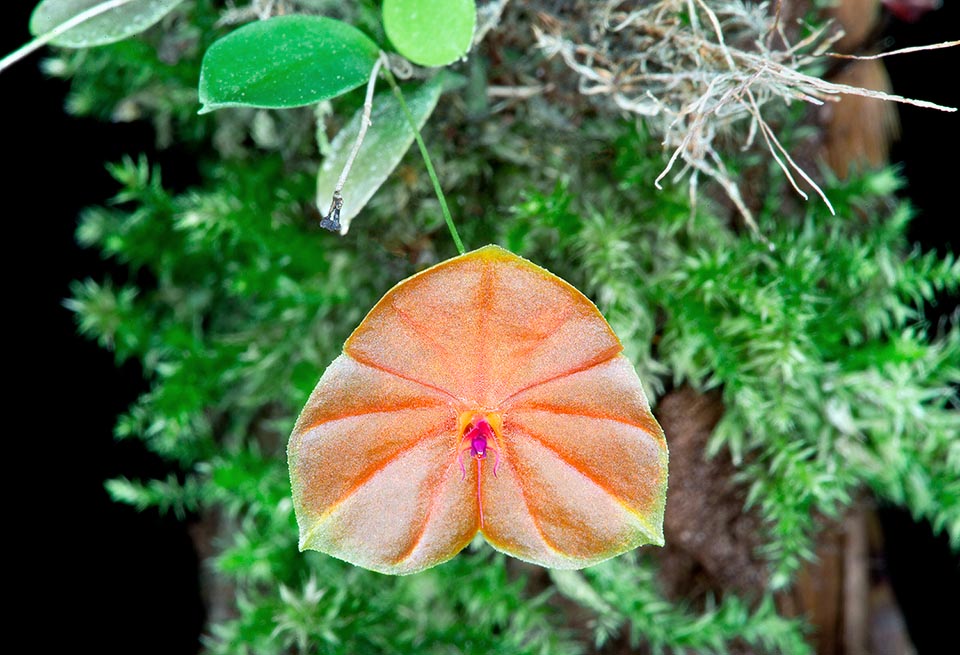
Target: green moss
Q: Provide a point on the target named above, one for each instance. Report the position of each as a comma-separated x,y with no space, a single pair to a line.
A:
236,301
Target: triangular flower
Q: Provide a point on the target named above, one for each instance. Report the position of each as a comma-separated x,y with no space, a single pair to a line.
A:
483,394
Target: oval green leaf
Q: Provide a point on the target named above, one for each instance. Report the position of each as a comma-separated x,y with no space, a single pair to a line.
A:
287,61
118,20
430,32
388,138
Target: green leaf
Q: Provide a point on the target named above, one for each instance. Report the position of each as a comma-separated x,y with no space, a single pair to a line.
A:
118,21
430,32
388,139
287,61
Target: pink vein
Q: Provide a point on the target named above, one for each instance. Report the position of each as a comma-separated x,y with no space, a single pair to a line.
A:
370,473
536,524
399,407
434,494
484,302
600,358
650,428
544,338
366,362
422,332
530,433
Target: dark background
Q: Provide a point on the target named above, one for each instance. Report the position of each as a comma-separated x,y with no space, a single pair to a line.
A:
104,576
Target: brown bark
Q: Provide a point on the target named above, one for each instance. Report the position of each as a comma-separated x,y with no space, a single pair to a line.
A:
712,544
710,541
858,131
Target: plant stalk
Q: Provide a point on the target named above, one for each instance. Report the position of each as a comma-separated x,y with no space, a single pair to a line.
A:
426,156
332,220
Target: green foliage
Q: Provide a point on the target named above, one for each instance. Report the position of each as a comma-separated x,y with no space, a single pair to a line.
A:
151,77
356,611
166,495
286,61
235,302
828,385
118,20
430,32
627,597
828,380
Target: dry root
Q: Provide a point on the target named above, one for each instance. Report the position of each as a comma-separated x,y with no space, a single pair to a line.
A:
695,69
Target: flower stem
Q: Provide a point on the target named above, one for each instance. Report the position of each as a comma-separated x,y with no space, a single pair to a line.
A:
426,158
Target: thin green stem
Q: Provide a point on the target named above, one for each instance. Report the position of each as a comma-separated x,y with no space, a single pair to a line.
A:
426,158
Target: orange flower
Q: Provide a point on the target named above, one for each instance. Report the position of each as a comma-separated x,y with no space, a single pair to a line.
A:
483,357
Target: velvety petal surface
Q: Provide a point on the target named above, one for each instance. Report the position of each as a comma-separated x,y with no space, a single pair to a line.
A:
483,326
575,466
591,466
367,486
